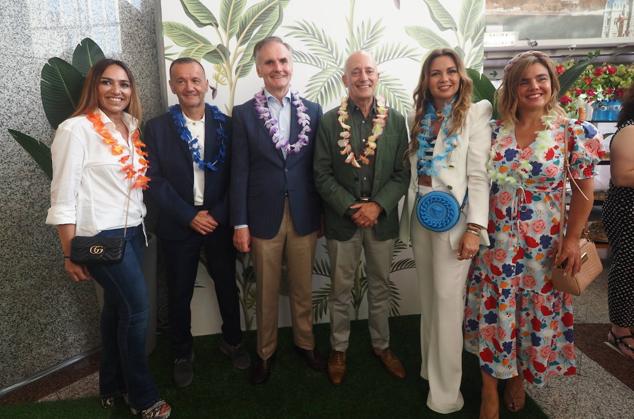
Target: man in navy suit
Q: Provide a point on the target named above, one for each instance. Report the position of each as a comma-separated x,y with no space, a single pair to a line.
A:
189,150
275,207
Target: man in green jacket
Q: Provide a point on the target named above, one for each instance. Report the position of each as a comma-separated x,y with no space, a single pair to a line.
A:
361,172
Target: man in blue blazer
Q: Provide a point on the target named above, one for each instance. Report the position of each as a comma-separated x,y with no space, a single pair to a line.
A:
275,207
189,149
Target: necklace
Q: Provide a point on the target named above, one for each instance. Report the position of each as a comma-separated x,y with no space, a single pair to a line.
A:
543,146
140,180
192,143
427,166
378,124
272,124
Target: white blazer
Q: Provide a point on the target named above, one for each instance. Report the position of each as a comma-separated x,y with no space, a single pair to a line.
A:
465,169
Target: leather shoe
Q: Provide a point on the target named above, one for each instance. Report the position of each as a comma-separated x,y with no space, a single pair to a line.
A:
336,367
390,362
237,353
183,372
312,358
261,370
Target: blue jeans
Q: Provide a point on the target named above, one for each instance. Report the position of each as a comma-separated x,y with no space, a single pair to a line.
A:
124,322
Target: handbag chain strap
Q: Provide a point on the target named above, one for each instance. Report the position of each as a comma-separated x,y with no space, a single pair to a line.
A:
562,218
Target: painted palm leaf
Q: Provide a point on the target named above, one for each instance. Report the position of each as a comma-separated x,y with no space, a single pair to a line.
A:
230,12
367,35
325,86
470,15
199,14
266,18
426,38
403,264
389,52
395,298
317,41
320,301
394,93
303,58
441,17
86,54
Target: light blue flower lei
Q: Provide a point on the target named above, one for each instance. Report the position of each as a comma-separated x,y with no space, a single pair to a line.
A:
431,167
192,143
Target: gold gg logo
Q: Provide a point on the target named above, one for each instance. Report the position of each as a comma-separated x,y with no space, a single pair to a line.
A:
96,250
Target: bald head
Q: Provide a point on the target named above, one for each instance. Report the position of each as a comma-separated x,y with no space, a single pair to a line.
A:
360,77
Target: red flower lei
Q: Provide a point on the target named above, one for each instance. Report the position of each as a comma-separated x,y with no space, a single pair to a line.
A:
116,149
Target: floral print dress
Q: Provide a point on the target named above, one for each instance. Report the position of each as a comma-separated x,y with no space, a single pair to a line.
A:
514,320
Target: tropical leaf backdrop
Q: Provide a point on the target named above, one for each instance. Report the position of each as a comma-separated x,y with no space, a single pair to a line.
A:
325,54
468,30
225,42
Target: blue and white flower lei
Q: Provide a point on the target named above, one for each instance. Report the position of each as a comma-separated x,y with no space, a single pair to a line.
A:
192,143
431,167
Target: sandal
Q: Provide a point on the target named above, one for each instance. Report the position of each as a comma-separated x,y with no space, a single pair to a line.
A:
159,410
618,344
514,398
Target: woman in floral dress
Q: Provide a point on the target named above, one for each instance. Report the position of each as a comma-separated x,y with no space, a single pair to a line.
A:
517,323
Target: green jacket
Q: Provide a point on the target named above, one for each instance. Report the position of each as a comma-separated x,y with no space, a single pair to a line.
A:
338,182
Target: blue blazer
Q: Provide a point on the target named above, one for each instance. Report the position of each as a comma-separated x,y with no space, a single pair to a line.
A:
172,176
262,177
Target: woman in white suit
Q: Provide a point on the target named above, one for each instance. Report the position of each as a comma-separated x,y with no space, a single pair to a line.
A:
451,139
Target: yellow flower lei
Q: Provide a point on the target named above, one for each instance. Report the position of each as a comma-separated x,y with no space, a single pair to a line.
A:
370,146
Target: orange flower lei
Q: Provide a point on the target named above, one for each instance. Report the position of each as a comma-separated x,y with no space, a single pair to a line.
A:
116,149
370,146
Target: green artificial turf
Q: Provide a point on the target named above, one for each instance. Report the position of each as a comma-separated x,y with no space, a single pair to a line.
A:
293,391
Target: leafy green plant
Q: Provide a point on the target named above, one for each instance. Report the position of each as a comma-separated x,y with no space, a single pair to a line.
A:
360,288
60,87
237,31
328,58
469,31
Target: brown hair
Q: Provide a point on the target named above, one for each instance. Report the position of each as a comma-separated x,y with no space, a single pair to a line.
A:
89,100
422,95
185,60
627,111
507,99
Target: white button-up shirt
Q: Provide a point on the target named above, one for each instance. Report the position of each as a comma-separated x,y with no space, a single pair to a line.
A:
197,129
89,188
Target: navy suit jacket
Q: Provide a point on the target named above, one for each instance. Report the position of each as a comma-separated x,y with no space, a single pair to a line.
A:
172,176
262,177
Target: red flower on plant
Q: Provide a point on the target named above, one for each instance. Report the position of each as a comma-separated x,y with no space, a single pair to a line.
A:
560,69
609,90
565,100
591,93
587,80
610,69
598,71
578,91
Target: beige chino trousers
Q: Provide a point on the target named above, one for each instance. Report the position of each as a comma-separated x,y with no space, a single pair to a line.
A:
268,255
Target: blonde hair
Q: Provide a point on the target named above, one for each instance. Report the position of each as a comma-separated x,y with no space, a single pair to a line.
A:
507,98
422,95
89,99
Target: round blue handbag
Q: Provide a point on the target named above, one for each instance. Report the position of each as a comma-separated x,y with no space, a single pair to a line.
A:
438,211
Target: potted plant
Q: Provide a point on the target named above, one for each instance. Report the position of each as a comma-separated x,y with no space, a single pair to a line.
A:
601,86
60,88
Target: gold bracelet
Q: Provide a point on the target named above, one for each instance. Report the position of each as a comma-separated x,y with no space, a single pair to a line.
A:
475,233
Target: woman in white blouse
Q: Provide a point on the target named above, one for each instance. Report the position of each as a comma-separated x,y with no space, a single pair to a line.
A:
449,148
98,175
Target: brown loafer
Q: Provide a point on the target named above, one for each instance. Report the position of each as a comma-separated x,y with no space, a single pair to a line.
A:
336,367
390,362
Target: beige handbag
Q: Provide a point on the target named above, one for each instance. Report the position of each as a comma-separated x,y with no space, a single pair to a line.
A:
591,265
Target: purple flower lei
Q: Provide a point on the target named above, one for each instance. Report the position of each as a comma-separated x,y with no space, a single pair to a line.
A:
272,124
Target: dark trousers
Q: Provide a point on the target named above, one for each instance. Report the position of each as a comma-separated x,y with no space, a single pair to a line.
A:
124,320
182,264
